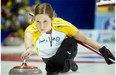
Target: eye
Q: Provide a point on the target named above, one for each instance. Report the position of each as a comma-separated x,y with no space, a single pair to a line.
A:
38,21
45,21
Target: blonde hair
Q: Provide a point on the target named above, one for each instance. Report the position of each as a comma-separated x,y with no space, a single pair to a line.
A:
44,8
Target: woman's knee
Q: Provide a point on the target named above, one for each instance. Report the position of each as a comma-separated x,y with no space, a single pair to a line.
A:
69,42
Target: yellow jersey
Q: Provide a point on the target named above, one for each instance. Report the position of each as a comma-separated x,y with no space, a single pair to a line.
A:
58,24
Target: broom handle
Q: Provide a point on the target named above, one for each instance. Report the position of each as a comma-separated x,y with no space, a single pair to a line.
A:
85,45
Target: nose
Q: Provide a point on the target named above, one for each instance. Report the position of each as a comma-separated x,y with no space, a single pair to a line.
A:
42,26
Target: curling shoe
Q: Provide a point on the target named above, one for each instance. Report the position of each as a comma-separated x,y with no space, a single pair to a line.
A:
55,73
73,66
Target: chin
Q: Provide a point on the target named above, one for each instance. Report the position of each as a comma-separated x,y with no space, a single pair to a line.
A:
43,31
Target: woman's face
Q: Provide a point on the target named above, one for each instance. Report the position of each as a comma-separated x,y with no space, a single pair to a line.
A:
43,22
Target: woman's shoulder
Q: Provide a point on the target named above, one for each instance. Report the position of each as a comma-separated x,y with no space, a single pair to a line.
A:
60,22
62,25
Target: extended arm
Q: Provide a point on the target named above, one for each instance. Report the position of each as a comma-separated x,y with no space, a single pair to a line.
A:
28,40
102,49
80,37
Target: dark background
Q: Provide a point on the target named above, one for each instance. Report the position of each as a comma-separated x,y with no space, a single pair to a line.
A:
78,12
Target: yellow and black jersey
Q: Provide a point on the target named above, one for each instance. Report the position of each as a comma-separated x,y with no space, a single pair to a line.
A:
47,44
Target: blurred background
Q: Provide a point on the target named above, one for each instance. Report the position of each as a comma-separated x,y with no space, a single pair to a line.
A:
94,18
95,15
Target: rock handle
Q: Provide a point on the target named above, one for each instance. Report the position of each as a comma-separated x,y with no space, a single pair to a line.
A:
24,61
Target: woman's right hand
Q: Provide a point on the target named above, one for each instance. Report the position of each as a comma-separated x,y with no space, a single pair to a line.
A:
26,54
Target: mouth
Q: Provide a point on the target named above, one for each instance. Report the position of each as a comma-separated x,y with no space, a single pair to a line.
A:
43,30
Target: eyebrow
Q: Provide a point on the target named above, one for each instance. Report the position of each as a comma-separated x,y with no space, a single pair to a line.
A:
38,21
43,21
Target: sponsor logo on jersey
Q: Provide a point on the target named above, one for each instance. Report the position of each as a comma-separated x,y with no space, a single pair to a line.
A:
41,41
57,39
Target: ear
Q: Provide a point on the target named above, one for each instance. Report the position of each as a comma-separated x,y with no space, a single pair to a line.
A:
52,19
54,15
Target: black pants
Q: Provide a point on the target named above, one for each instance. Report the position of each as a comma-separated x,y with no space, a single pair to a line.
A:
59,62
